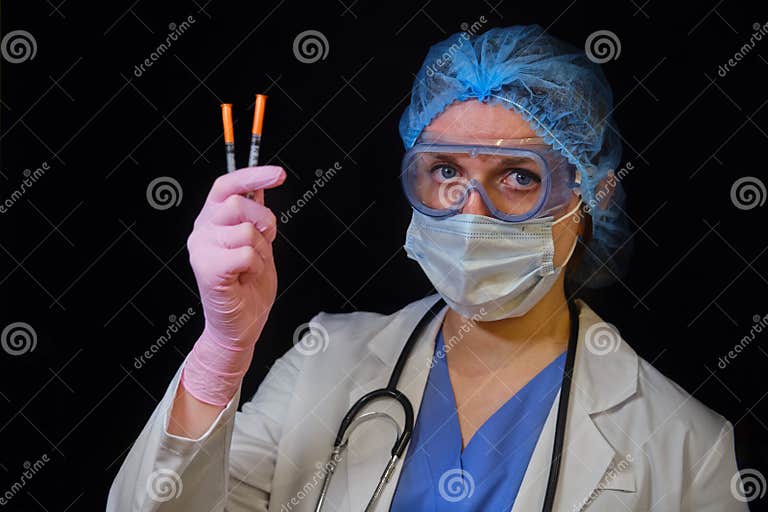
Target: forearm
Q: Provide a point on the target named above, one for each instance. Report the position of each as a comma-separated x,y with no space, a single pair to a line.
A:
210,378
158,457
190,417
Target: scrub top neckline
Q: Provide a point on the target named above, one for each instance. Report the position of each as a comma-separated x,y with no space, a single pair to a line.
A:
494,427
439,476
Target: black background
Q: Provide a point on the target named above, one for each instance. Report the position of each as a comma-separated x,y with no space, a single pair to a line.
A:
97,272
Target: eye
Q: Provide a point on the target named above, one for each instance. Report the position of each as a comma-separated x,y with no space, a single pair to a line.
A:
444,173
522,179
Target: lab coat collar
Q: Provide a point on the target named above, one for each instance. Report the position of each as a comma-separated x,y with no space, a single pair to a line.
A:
604,376
369,444
605,367
402,324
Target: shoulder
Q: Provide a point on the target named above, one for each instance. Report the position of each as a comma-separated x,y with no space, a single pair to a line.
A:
348,335
672,404
340,326
678,451
684,441
653,413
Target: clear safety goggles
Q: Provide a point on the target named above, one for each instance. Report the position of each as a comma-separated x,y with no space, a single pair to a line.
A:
517,179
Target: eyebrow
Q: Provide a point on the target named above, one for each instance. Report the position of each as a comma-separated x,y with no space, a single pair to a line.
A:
508,160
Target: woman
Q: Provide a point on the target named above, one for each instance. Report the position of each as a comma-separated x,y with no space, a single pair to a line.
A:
518,390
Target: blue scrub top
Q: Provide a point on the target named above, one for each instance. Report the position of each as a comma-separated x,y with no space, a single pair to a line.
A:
438,476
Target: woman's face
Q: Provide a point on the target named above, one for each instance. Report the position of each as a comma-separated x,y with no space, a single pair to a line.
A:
479,120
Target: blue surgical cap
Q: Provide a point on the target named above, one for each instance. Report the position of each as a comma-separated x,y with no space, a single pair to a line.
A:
565,98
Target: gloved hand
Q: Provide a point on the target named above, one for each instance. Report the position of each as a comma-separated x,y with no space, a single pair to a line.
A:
230,250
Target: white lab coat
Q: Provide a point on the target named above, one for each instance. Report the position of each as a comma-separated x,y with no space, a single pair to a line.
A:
635,441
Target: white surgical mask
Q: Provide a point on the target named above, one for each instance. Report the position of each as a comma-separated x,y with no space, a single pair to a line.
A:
485,267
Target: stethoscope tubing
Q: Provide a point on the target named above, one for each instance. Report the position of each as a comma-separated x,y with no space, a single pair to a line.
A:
391,392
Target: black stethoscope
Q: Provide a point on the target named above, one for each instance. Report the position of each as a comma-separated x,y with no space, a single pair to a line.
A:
351,419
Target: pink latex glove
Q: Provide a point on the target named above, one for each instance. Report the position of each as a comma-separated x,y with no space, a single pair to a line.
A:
230,250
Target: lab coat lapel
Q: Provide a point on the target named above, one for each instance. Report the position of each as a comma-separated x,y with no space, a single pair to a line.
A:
586,457
371,443
601,380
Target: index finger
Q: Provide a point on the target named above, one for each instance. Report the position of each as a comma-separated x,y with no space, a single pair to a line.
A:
246,180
